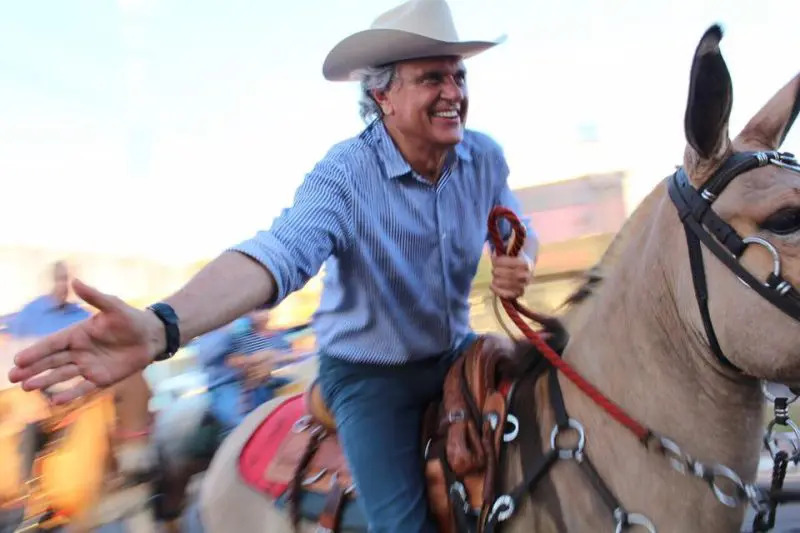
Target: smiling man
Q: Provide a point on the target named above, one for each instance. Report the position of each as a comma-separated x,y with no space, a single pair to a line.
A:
398,215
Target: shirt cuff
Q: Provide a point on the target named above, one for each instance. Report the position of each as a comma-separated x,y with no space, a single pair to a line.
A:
269,256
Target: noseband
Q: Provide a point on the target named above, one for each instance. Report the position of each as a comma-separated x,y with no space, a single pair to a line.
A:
703,224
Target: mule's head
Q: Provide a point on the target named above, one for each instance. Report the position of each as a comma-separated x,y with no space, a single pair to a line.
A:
762,202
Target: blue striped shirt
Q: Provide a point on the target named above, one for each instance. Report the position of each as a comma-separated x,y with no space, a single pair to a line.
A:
400,252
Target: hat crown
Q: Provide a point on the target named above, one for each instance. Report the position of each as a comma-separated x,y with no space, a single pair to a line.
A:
430,18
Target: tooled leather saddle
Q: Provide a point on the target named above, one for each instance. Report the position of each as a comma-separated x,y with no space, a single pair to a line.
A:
463,436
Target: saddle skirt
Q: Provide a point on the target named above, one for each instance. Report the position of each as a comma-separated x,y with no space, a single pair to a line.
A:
295,449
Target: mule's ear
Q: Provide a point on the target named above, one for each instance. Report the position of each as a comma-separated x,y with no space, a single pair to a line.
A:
710,100
769,127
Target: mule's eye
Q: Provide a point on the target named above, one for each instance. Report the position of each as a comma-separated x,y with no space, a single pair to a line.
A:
783,222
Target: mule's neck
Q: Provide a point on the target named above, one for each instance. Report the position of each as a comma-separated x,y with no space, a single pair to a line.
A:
641,349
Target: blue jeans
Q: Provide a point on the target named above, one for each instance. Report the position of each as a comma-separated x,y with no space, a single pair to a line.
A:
379,411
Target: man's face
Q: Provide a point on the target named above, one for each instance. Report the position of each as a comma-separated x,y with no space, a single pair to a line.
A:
60,283
428,100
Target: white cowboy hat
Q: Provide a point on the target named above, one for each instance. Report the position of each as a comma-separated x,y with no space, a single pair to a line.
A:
413,30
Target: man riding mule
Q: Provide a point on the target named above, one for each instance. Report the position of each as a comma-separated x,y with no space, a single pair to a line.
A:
385,210
670,334
695,302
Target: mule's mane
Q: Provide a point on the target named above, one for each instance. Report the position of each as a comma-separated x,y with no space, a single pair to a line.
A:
593,278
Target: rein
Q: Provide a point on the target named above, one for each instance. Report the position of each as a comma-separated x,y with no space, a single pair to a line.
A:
727,486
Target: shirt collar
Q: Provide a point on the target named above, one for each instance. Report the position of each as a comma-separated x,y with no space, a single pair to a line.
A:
396,166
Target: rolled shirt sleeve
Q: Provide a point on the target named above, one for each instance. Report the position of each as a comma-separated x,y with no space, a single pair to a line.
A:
305,235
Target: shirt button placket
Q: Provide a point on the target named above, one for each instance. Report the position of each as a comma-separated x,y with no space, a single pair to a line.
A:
441,222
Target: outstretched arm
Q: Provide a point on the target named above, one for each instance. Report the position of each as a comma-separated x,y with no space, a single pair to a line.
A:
121,340
274,263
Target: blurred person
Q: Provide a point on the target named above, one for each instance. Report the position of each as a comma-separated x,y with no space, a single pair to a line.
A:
398,215
22,411
50,312
239,359
44,315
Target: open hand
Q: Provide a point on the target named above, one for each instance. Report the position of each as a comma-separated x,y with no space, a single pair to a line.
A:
103,350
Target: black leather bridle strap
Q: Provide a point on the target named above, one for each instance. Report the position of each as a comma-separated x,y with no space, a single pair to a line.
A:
701,293
788,303
702,224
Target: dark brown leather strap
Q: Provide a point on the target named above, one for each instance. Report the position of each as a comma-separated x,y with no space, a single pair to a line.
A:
331,513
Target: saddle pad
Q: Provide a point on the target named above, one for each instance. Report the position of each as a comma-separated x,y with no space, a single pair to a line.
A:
260,450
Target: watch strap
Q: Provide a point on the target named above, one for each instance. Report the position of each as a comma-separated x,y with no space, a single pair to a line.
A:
166,314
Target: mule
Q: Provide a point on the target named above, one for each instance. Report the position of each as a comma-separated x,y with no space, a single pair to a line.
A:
88,466
692,307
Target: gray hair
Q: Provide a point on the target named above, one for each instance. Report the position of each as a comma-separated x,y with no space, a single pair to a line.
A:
374,79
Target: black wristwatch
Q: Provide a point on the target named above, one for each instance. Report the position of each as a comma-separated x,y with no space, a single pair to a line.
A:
166,314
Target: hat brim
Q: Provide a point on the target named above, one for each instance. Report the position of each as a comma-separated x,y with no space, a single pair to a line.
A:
372,48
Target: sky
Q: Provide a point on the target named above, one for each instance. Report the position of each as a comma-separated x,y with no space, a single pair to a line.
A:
171,129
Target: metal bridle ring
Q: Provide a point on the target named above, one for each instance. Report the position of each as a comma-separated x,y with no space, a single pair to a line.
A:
493,419
633,519
313,479
674,455
459,415
575,453
503,507
771,397
301,424
772,440
776,257
721,471
509,436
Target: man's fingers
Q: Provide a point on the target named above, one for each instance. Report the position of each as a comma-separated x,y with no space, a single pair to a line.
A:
511,271
507,261
73,393
103,302
45,380
49,345
505,294
55,360
508,284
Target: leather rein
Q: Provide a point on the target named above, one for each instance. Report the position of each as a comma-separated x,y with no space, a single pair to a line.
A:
704,226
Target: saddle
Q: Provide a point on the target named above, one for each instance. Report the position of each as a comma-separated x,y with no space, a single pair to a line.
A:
463,436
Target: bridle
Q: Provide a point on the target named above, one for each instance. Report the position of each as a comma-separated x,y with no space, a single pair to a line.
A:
702,225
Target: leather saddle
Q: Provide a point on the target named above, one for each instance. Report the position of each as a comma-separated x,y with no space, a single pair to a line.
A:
463,435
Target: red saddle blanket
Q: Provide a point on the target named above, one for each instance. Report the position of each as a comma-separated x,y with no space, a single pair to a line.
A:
262,447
